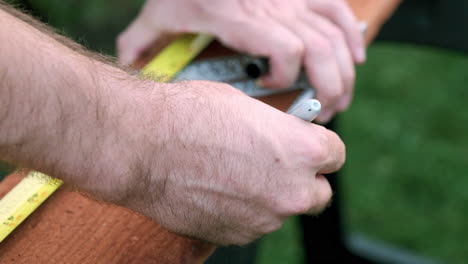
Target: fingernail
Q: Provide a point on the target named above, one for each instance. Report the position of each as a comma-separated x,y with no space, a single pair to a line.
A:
361,55
363,26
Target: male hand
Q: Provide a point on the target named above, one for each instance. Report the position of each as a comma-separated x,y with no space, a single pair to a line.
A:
213,163
322,36
201,158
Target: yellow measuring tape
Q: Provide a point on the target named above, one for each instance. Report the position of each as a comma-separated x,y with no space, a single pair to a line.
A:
176,56
36,187
23,199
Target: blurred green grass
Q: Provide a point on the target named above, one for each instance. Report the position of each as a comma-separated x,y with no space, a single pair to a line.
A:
407,137
406,133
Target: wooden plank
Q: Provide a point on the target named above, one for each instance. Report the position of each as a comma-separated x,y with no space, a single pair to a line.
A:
72,228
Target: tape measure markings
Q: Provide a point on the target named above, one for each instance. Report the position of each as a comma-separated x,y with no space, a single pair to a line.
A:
23,199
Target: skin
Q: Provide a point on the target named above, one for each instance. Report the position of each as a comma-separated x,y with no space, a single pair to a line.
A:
200,158
322,36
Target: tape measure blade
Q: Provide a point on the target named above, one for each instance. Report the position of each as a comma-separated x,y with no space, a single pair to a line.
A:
176,56
23,199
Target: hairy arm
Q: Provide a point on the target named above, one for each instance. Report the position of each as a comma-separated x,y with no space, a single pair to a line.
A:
56,104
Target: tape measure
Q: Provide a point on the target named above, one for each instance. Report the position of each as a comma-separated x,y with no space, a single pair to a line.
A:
36,187
176,56
23,199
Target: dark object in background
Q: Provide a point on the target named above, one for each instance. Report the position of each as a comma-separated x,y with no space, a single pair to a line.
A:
324,236
440,23
234,255
5,169
95,25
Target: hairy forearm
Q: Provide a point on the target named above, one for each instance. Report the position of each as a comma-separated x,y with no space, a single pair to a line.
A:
56,105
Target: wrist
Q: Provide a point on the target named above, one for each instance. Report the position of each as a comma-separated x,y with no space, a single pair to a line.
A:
131,124
104,160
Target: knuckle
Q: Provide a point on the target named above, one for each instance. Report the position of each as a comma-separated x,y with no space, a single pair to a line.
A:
336,95
320,46
295,49
320,202
297,203
349,77
305,199
318,151
319,154
335,34
332,94
339,148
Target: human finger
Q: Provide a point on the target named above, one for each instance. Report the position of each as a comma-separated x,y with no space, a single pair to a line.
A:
322,192
342,54
329,152
321,62
132,42
267,39
340,13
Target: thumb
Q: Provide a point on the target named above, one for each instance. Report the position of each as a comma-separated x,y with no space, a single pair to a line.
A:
135,40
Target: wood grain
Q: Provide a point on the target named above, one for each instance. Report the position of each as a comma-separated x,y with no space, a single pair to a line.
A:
72,228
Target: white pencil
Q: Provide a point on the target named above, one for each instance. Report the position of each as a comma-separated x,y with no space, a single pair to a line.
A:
307,110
